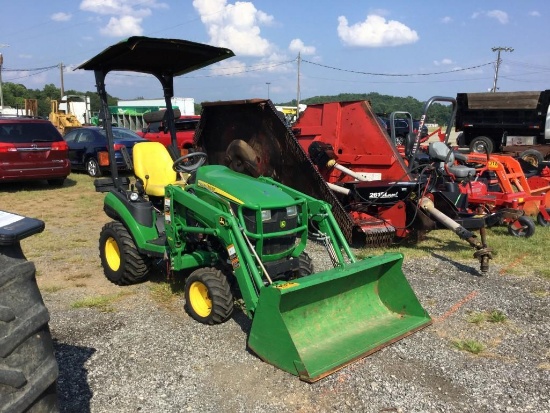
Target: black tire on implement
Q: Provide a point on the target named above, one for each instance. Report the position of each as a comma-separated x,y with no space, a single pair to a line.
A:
28,368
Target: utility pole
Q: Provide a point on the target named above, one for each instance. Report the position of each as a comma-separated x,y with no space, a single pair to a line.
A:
1,93
298,88
268,83
499,49
62,84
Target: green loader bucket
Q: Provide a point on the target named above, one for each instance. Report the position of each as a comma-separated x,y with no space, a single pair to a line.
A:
322,322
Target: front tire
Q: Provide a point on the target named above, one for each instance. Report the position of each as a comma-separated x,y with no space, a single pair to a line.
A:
306,265
208,297
92,168
522,227
120,259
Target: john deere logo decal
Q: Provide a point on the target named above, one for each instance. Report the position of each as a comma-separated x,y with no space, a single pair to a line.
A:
282,224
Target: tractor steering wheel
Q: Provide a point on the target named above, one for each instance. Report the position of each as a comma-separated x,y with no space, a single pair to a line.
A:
184,163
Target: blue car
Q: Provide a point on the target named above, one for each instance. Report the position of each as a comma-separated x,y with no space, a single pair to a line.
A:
88,148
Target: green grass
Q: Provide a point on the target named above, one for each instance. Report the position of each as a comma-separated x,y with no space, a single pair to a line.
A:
167,293
493,316
476,317
512,255
471,346
103,303
496,316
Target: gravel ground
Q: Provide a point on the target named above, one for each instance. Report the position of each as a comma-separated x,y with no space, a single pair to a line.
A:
153,358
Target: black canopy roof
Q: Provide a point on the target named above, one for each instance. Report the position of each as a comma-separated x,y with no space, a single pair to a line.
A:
156,56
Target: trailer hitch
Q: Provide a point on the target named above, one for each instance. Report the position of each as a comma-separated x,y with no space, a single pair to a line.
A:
482,253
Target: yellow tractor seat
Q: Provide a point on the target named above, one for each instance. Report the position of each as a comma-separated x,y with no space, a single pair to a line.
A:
153,166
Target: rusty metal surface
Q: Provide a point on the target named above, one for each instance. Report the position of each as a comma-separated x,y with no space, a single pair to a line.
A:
279,155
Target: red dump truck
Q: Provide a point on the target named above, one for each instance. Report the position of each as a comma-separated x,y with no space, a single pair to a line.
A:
517,123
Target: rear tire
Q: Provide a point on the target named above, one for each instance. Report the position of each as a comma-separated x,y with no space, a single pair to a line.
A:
482,144
92,168
533,157
28,368
120,259
523,227
208,297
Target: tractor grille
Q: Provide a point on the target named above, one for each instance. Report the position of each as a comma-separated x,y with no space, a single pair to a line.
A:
279,221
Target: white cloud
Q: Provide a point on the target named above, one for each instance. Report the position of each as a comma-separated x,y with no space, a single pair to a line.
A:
122,27
499,15
375,31
61,17
141,8
235,26
297,45
446,19
443,62
25,56
128,14
534,13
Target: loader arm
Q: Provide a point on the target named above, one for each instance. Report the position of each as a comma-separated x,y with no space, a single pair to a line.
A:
214,219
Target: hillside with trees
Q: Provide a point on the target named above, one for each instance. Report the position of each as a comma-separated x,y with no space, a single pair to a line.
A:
385,104
15,95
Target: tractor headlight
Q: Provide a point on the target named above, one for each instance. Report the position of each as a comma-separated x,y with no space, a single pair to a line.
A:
266,214
291,211
134,196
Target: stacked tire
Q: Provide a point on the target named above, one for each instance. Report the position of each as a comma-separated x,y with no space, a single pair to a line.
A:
28,368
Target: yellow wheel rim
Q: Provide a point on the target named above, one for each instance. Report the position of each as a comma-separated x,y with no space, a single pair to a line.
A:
112,254
199,300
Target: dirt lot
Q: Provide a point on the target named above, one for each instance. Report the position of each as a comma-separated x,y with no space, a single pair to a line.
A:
135,349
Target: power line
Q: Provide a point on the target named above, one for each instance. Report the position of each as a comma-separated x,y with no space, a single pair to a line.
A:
31,70
394,74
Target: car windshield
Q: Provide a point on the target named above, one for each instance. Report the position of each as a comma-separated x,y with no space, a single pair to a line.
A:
119,134
20,132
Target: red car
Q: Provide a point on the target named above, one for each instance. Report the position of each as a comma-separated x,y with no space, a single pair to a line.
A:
32,149
156,130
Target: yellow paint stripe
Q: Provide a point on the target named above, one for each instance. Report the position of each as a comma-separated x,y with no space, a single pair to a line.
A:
219,191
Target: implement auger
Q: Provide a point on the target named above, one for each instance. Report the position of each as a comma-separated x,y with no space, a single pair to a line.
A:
244,235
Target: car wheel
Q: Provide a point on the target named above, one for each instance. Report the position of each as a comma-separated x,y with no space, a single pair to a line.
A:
482,144
399,140
58,182
92,168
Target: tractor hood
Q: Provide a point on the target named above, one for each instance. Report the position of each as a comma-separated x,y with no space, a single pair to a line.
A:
166,57
242,189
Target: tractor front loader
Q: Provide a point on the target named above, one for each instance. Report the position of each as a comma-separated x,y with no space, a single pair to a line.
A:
245,236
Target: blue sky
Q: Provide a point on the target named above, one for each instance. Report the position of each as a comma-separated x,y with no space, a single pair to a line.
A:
346,46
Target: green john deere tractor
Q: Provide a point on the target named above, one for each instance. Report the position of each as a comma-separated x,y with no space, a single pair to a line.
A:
244,236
